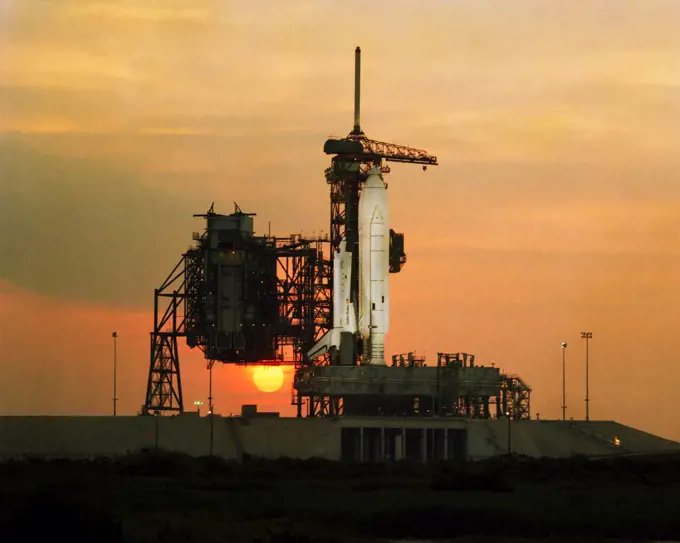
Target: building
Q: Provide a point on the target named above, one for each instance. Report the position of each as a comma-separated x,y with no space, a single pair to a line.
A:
344,438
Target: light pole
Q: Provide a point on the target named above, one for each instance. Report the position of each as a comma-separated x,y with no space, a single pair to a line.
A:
587,336
115,399
210,396
198,407
564,380
509,442
210,405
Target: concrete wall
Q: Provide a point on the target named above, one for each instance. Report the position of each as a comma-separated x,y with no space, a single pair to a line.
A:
73,437
560,439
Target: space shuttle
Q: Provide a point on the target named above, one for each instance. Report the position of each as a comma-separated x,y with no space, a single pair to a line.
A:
370,319
361,297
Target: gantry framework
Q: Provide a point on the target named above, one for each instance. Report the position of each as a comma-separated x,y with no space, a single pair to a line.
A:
353,156
515,398
454,387
180,308
303,298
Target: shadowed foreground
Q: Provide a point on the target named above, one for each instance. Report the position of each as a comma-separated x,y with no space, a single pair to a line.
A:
154,496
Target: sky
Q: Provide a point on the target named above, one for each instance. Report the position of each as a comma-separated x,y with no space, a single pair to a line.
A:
555,208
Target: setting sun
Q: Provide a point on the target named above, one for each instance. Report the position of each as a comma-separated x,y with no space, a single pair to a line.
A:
268,378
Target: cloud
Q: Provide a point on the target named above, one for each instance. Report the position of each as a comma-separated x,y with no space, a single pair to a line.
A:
488,80
78,224
85,228
158,12
31,109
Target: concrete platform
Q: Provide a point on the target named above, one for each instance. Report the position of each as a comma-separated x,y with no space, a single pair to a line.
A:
358,438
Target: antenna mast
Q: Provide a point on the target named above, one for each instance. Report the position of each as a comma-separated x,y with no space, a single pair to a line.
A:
357,91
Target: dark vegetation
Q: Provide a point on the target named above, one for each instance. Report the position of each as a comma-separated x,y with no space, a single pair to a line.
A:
155,496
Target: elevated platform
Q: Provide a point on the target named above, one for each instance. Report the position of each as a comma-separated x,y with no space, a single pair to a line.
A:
358,438
445,381
452,387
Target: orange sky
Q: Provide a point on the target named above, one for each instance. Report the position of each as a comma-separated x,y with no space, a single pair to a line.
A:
556,207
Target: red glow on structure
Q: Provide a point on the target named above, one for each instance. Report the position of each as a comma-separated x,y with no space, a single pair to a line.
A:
268,363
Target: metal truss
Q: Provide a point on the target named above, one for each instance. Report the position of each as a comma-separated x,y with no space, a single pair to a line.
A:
318,292
295,271
325,406
472,407
345,178
164,389
303,299
515,398
353,156
393,152
164,385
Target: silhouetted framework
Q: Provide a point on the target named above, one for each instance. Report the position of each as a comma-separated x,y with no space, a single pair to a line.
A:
515,398
164,386
454,387
246,299
353,156
241,299
322,307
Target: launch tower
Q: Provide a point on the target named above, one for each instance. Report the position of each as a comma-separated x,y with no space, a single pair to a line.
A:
319,304
346,371
240,298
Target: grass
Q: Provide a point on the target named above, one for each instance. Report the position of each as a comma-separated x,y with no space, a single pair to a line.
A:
156,496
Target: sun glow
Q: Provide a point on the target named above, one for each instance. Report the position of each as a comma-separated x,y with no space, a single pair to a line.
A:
268,378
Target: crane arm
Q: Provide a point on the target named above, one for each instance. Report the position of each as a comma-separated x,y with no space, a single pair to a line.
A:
360,146
397,153
356,146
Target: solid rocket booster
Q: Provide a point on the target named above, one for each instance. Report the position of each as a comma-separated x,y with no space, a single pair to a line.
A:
374,268
344,315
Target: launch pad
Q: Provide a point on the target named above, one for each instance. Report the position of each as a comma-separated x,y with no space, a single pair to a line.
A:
321,305
405,391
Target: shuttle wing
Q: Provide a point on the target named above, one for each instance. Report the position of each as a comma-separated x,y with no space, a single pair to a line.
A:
322,346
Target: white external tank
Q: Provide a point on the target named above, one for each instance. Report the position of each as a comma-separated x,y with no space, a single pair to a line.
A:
374,268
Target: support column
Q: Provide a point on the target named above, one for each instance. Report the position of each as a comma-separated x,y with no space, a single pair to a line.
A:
446,443
423,446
